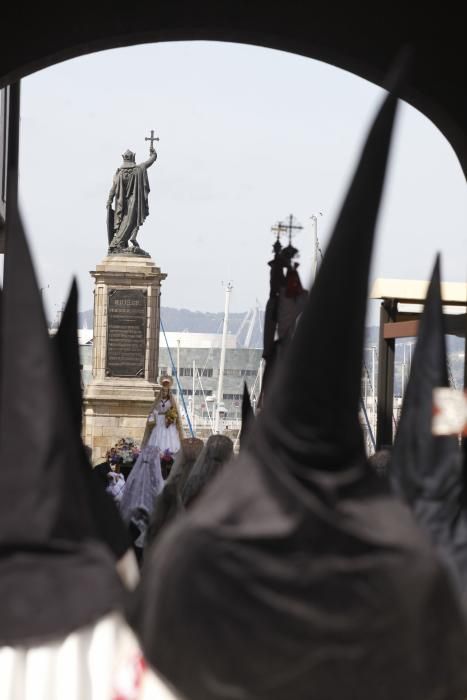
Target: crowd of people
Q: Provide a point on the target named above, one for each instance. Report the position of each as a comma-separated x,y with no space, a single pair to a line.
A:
291,571
135,477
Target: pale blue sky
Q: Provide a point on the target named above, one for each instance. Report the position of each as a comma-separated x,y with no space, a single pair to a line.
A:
247,136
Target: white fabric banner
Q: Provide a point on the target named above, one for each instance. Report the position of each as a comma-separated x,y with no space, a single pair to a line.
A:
449,412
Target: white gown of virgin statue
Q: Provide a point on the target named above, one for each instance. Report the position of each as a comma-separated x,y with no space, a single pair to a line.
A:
145,480
162,436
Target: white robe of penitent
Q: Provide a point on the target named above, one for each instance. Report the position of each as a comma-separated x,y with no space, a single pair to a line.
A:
102,661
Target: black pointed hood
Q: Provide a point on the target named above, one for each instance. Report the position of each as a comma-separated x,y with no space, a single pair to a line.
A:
305,566
318,425
55,575
66,342
107,518
248,417
426,470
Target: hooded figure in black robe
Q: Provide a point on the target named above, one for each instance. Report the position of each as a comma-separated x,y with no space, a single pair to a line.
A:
426,469
108,520
62,630
296,574
51,545
286,302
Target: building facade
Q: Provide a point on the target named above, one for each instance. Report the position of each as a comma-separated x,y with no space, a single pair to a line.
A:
198,356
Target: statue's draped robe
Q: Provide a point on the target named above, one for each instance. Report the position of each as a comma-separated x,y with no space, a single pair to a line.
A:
131,203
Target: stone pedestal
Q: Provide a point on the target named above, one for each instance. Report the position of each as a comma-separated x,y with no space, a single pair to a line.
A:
125,351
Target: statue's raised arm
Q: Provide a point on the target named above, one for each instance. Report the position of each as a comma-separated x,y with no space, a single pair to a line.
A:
130,190
152,159
152,151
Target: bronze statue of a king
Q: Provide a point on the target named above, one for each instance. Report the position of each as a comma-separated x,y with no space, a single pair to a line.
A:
130,189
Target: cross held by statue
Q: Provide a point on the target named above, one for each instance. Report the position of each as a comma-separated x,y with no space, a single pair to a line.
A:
151,138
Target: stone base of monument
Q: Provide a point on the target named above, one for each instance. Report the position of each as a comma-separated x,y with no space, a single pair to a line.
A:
125,351
115,411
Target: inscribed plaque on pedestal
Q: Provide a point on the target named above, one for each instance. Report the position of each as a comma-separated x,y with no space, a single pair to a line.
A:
126,333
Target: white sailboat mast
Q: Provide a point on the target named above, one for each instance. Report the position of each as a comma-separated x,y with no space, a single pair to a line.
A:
220,384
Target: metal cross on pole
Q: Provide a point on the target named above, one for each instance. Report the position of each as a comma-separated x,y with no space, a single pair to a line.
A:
151,138
279,228
290,226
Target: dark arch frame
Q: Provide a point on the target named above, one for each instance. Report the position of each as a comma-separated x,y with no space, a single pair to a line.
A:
349,36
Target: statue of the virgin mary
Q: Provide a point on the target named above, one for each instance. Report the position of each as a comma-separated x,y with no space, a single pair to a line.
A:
163,427
163,432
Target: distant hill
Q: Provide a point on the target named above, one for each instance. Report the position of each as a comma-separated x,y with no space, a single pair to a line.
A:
179,320
198,321
85,319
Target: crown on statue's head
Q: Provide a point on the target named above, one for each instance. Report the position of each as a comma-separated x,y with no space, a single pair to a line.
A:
166,379
129,156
